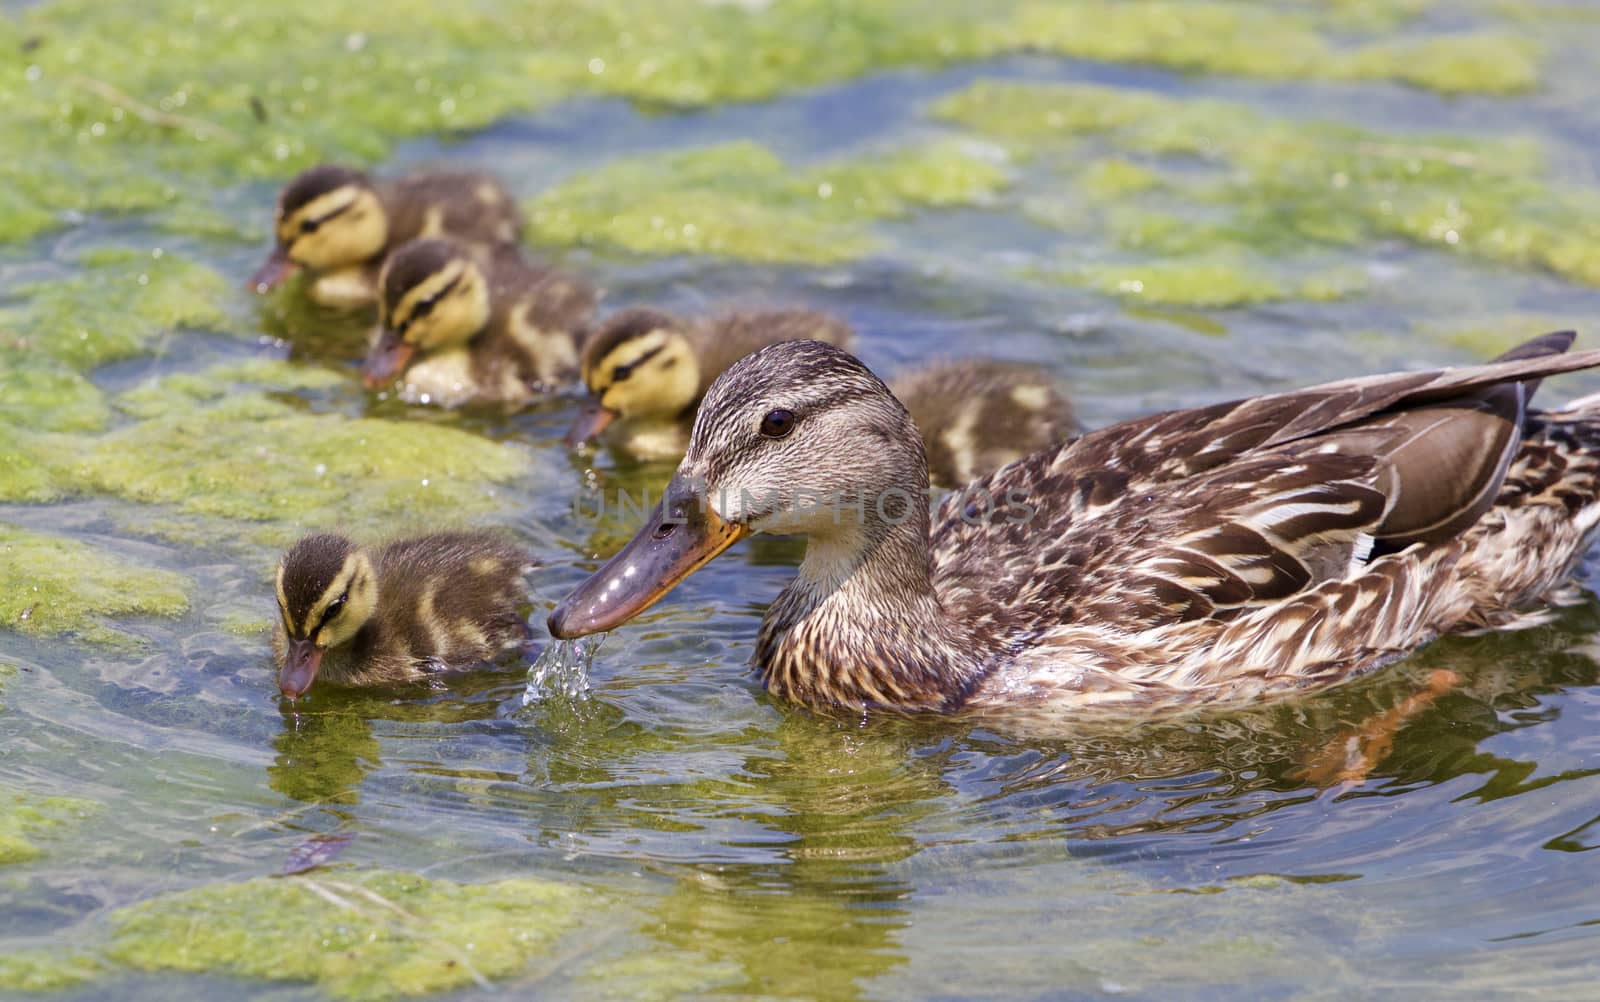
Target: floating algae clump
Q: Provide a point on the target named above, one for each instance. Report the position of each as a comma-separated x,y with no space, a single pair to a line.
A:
739,200
1281,184
373,935
51,585
1183,282
1258,41
251,457
115,307
24,816
44,394
46,970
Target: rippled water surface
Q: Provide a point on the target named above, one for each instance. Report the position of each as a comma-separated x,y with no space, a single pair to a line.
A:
1396,834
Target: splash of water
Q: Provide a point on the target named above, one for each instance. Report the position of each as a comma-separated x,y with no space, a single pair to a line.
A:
562,670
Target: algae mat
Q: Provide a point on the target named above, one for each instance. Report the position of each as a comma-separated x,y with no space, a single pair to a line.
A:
1158,203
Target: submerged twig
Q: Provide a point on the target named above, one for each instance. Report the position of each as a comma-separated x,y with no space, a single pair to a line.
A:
147,114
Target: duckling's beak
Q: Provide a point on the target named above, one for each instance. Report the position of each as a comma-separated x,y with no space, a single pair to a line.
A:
682,535
273,271
299,668
593,420
386,359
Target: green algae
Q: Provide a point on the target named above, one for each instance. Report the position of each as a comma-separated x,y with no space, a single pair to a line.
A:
214,444
1282,186
46,970
116,305
250,457
25,472
117,109
25,817
50,585
1259,41
740,200
1474,63
1184,282
1114,178
371,935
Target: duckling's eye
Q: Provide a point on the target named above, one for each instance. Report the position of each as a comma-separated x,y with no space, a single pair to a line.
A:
777,423
310,225
335,607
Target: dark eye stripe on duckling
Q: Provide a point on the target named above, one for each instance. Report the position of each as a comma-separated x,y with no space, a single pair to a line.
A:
424,307
318,211
627,369
318,615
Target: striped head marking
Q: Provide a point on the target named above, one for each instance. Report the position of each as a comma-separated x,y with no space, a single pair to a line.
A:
327,590
433,294
330,217
641,364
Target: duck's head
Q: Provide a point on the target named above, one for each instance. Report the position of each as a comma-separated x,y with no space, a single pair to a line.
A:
329,217
639,365
327,591
799,437
431,294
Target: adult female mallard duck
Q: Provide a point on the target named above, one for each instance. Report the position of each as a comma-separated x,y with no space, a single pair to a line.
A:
646,370
398,613
978,414
1261,545
460,327
339,223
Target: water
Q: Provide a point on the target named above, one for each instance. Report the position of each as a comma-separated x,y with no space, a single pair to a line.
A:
1388,836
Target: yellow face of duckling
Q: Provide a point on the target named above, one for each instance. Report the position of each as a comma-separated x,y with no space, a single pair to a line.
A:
327,591
434,296
327,218
648,374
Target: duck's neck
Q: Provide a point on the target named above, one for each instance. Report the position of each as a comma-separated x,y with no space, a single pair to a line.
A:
861,625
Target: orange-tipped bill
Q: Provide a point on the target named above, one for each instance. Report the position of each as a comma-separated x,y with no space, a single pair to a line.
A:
593,420
273,272
682,535
386,359
299,668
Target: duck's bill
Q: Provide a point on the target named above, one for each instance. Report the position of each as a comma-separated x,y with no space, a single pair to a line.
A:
386,359
273,272
667,550
299,668
593,420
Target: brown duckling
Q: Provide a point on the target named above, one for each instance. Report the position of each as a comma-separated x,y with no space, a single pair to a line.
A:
339,223
977,415
396,613
460,327
646,370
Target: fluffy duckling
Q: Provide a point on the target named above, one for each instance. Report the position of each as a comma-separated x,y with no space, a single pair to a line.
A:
339,223
977,415
462,327
397,613
646,370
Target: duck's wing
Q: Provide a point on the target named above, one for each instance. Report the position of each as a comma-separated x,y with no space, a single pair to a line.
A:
1215,511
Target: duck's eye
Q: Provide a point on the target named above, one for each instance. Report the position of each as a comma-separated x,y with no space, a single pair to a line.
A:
335,607
777,423
310,225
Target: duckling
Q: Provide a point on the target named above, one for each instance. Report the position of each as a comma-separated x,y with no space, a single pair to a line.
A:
490,328
338,223
646,370
978,414
353,616
1221,554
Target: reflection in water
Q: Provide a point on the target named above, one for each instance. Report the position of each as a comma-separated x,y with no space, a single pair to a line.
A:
323,756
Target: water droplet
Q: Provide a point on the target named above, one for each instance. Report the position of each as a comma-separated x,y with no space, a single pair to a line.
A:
563,670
